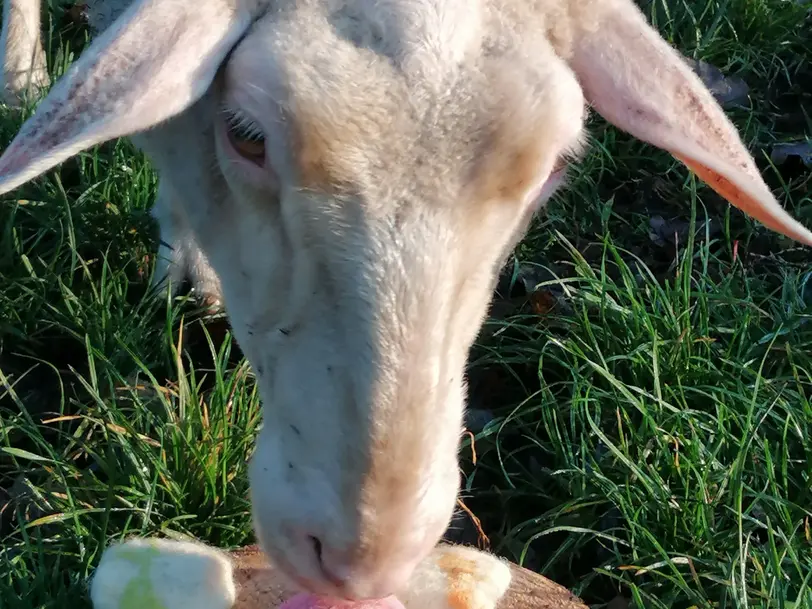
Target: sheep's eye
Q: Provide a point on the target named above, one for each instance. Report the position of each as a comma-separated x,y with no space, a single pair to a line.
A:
247,139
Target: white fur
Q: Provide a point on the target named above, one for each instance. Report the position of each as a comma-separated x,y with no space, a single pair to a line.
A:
408,143
24,71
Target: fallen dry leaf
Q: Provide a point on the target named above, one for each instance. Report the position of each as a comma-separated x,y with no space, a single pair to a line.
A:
672,232
543,302
728,90
78,13
783,152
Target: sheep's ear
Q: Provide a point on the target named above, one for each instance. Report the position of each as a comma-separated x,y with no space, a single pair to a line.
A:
640,84
154,61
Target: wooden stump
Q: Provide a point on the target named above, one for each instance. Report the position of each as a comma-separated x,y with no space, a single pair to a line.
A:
260,587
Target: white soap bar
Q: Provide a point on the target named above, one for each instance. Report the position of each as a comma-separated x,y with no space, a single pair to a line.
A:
162,574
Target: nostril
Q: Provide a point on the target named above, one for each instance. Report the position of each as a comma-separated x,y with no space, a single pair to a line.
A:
318,550
349,579
327,570
316,543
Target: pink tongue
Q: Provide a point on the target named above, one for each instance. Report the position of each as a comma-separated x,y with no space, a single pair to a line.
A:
310,601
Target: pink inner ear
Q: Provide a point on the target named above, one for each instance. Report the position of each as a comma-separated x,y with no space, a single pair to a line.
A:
310,601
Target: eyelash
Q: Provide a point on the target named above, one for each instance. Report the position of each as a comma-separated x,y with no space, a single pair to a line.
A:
242,126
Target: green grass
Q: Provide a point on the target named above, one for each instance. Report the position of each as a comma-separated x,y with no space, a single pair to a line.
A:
650,433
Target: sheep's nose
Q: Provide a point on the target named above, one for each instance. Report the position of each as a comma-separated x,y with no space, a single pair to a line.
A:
357,579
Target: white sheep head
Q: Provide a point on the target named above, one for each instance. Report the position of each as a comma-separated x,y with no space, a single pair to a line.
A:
356,172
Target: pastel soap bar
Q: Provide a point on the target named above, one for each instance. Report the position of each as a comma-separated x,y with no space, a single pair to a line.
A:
162,574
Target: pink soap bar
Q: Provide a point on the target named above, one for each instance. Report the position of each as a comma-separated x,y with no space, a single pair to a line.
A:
310,601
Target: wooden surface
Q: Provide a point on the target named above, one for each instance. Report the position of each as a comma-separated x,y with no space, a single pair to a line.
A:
259,587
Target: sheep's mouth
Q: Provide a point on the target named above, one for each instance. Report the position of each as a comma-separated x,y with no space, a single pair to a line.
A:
309,601
304,585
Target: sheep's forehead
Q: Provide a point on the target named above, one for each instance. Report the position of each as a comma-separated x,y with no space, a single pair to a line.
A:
367,89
